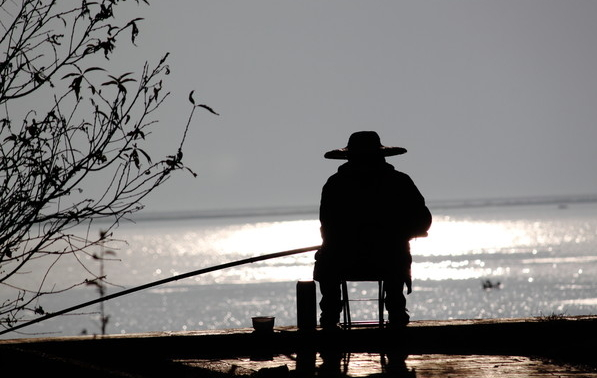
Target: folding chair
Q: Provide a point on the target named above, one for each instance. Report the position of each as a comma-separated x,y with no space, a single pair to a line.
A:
348,322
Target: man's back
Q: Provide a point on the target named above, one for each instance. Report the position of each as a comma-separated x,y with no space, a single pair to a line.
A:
366,205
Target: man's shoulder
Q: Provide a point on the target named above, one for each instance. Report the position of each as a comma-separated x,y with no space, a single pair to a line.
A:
336,178
343,171
396,173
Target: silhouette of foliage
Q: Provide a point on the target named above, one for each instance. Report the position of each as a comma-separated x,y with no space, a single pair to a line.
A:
73,140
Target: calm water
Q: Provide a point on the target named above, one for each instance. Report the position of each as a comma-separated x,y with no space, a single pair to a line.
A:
543,256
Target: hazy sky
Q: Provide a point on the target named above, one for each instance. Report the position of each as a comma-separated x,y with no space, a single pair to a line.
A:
491,98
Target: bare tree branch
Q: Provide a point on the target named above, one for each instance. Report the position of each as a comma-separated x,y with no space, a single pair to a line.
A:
92,127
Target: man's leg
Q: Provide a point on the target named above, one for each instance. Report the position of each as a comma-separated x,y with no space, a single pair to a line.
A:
396,303
330,304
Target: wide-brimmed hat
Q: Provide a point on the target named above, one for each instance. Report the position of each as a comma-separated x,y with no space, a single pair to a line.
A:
364,143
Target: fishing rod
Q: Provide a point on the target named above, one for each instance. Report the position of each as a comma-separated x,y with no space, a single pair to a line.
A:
163,281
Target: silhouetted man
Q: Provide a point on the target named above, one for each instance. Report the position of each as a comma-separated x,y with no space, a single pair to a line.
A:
368,213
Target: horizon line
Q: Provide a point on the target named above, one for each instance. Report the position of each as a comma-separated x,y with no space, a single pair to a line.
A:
560,200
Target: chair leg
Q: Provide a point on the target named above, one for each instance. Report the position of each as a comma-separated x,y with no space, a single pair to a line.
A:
345,306
381,304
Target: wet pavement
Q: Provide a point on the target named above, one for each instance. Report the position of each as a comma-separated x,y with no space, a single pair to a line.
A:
376,365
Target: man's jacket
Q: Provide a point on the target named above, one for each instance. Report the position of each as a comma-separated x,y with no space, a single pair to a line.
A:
368,214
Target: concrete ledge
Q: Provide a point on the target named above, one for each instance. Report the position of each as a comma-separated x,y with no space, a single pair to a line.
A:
564,339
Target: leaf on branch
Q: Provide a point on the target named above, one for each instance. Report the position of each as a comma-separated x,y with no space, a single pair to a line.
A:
79,76
104,13
145,154
134,33
193,173
107,45
39,310
172,162
135,158
134,29
39,77
90,49
111,82
32,129
164,58
84,8
76,85
192,100
71,74
99,156
119,81
94,69
208,108
121,78
156,91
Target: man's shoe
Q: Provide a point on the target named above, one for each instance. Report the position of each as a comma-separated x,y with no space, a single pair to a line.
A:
331,327
399,321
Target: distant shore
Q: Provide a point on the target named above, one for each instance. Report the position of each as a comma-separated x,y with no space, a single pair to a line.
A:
312,210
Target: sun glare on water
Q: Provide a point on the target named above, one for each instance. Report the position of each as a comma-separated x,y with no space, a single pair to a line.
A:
258,239
448,252
456,248
459,237
269,237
